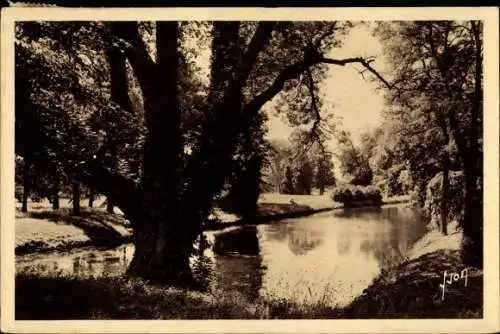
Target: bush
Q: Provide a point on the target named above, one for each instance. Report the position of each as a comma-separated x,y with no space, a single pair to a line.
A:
434,192
357,195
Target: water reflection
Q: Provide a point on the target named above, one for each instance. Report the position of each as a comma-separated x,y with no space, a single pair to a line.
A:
329,257
302,240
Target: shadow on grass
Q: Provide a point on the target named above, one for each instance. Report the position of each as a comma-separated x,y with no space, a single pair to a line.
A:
115,298
280,208
410,290
97,225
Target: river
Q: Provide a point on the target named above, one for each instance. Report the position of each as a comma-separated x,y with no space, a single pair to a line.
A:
329,257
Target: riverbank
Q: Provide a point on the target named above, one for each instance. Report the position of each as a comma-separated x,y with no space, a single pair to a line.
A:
47,230
412,289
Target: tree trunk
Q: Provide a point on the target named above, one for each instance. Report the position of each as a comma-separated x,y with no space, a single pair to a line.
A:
163,248
55,195
163,232
76,198
109,206
445,195
472,221
321,189
26,187
179,199
91,197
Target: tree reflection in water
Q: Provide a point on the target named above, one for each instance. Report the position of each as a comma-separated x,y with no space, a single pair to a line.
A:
238,262
390,246
301,240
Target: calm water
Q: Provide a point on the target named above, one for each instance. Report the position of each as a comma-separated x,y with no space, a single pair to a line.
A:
329,257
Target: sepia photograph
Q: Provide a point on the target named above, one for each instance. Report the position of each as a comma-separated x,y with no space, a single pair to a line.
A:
195,166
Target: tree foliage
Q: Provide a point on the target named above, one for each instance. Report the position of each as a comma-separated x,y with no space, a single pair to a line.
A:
437,88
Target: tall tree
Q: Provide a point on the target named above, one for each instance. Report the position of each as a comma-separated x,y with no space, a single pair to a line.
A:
438,66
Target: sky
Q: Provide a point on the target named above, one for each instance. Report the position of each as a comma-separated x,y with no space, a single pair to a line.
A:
357,103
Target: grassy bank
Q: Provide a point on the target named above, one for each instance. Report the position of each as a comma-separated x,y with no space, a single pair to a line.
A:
48,230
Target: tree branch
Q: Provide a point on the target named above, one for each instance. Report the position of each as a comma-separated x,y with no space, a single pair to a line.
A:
314,105
259,40
294,70
366,63
136,51
326,34
120,190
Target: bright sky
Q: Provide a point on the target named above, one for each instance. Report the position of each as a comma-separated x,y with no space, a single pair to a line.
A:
356,102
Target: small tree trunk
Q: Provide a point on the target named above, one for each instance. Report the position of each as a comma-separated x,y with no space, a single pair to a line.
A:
55,196
445,196
76,198
91,197
321,189
110,207
26,188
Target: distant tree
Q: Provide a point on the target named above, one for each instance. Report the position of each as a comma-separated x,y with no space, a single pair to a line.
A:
276,157
303,177
353,163
324,174
288,184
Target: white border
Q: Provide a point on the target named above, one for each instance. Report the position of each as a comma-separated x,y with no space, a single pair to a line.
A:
490,323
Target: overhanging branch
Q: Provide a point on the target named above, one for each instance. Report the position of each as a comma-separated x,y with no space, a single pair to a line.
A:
329,32
365,62
293,71
314,105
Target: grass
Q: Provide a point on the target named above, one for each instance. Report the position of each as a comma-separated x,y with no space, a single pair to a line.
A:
47,230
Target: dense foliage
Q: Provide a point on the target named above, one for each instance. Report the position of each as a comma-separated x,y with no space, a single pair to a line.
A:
357,195
434,195
434,114
299,165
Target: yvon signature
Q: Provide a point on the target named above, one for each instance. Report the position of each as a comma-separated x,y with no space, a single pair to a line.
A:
452,277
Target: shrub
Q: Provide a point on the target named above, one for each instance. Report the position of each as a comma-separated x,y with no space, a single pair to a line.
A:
357,195
434,192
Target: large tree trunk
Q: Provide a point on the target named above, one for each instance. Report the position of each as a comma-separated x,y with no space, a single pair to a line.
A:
175,201
162,250
162,234
472,223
